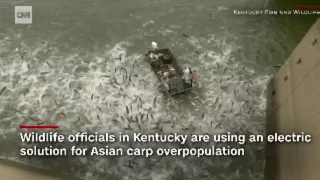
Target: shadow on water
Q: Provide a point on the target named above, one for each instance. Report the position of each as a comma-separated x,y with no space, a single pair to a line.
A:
271,127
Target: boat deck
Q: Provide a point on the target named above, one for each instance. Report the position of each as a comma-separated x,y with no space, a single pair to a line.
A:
167,63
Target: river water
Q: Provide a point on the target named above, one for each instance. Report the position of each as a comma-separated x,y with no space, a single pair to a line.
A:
56,72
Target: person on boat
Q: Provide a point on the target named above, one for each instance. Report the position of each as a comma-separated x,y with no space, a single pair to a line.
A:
166,75
186,75
153,54
166,79
193,75
154,46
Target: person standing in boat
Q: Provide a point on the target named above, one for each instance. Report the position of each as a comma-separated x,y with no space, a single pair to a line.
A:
166,80
186,75
154,46
193,75
153,52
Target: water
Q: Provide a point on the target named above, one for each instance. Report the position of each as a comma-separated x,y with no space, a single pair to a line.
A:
58,71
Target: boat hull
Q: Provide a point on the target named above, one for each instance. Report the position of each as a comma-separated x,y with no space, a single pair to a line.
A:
166,63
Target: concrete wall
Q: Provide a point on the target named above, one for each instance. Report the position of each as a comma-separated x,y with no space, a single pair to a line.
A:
294,106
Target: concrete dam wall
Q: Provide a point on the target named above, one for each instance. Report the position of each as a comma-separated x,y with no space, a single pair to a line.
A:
294,106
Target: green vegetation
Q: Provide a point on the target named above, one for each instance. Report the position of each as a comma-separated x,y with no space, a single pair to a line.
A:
297,24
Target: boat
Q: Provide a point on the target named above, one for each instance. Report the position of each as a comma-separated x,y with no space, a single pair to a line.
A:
168,71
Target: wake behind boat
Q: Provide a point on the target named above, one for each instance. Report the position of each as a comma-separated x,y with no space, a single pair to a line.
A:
173,79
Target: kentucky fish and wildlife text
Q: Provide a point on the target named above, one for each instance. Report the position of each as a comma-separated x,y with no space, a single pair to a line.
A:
275,12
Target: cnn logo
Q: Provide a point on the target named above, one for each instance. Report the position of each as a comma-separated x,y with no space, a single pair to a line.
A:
23,14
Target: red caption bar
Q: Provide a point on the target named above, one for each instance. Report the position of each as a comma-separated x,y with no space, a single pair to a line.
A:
39,127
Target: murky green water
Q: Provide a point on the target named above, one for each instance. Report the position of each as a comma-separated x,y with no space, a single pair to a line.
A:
73,44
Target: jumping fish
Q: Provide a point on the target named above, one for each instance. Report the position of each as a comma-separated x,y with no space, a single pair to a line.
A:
248,92
55,101
127,109
218,126
216,100
184,35
48,64
32,119
2,90
154,101
98,117
63,114
76,92
130,77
